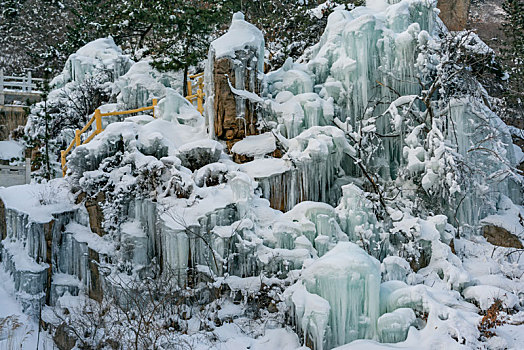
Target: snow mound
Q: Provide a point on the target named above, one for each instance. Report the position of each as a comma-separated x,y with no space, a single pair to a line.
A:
10,150
101,54
255,146
241,35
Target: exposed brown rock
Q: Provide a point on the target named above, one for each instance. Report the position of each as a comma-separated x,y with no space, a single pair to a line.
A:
95,286
501,237
48,236
96,216
241,158
10,119
63,338
94,210
227,125
454,13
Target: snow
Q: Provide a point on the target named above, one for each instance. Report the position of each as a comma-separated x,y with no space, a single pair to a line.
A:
241,35
21,259
255,146
142,83
39,201
10,150
100,54
84,235
265,167
317,263
508,217
486,295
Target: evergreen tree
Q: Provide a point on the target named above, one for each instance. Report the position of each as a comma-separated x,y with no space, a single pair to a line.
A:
513,50
43,141
289,26
184,33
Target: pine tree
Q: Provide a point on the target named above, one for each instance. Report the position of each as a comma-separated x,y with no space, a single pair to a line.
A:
289,26
184,34
513,50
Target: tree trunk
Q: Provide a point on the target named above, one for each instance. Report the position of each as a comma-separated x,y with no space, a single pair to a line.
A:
186,68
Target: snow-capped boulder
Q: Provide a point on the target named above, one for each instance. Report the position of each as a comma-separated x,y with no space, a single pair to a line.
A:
195,155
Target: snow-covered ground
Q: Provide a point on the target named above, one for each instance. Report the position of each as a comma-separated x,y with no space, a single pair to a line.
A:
10,150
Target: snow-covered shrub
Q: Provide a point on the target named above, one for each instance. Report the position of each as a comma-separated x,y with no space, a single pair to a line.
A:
127,162
52,123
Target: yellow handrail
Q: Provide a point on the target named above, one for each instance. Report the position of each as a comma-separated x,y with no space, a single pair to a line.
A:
200,91
97,119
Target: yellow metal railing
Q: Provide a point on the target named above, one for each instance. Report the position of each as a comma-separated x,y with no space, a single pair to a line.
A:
97,119
199,95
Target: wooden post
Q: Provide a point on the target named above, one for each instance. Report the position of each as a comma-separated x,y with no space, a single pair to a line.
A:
77,138
155,102
2,86
29,82
63,161
98,121
201,83
200,101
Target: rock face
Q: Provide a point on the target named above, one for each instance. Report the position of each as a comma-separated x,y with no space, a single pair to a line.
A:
195,155
63,338
235,117
233,79
96,217
501,237
10,119
454,13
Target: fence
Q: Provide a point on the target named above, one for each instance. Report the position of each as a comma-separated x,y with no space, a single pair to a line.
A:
199,95
196,80
97,119
15,175
20,85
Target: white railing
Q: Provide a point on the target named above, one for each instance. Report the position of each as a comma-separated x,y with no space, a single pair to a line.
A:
15,175
14,85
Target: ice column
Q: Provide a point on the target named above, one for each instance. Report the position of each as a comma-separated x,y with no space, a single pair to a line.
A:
349,279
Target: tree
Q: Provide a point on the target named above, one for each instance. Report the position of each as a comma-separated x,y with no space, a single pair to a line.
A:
513,50
128,22
183,37
28,28
52,121
289,26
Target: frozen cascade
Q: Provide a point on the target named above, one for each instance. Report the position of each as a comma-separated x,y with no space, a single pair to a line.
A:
363,55
473,124
314,220
349,279
297,113
311,313
101,54
357,47
356,216
142,83
393,327
307,172
46,259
